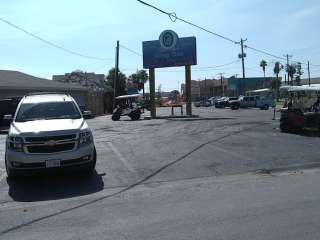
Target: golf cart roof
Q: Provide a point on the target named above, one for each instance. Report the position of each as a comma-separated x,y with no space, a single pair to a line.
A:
313,87
128,96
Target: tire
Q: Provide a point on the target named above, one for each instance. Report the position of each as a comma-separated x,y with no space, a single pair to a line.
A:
266,107
11,174
135,115
115,117
92,166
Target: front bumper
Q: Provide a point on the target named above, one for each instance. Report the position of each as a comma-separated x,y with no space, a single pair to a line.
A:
22,161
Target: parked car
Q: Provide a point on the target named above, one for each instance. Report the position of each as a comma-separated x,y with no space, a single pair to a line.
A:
8,106
234,104
231,99
264,98
202,104
224,102
213,100
242,102
48,131
221,102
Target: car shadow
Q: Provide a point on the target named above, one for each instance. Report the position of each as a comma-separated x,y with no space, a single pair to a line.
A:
313,133
54,186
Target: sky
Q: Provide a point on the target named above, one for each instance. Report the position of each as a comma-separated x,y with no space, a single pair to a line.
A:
93,27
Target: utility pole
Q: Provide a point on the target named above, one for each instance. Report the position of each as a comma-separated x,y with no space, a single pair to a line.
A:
221,83
242,55
309,74
116,76
288,56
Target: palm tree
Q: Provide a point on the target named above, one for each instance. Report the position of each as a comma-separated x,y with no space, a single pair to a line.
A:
263,65
276,83
140,78
291,69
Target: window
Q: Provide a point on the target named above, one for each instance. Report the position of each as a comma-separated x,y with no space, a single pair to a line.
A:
47,110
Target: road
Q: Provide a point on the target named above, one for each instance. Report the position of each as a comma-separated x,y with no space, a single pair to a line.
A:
171,175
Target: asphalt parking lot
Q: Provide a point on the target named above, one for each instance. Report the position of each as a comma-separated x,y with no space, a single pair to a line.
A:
157,158
220,142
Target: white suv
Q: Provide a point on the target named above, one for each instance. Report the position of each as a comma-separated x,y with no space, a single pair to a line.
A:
48,131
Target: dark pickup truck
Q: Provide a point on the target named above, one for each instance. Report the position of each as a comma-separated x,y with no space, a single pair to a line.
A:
8,106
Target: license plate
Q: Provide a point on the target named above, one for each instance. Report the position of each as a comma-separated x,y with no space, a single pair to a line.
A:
53,163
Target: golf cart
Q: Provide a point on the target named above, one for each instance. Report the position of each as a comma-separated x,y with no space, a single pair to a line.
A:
127,105
302,109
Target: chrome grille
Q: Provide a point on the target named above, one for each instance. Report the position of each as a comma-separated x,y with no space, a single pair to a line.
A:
50,149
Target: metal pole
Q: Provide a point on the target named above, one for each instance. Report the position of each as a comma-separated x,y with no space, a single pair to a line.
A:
242,58
188,90
152,92
116,71
309,73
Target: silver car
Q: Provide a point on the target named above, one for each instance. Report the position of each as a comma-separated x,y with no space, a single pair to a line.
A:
48,132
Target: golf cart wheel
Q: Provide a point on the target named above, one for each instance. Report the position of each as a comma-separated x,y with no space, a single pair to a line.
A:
285,126
135,115
115,117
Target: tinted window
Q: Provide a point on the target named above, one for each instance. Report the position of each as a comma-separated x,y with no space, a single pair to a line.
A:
48,110
251,98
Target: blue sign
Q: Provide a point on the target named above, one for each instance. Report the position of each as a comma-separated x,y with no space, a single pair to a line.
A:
184,52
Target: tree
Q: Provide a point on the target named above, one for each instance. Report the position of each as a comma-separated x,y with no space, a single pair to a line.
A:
291,70
121,85
140,78
263,65
276,83
299,72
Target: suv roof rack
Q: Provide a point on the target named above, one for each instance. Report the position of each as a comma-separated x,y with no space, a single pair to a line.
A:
46,93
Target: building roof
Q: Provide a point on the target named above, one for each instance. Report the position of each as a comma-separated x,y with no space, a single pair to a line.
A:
15,80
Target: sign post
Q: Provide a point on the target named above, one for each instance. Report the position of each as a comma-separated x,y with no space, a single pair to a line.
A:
188,90
152,92
170,51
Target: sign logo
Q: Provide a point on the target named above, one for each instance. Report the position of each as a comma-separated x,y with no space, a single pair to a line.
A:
51,143
168,39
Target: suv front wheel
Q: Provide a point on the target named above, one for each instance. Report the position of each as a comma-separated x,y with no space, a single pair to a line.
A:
92,165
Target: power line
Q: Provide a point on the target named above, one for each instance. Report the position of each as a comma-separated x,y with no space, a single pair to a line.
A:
264,52
130,50
51,43
218,66
173,17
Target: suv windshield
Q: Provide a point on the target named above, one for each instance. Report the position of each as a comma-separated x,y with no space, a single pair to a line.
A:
47,110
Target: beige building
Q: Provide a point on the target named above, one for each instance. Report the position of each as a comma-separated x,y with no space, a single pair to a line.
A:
206,88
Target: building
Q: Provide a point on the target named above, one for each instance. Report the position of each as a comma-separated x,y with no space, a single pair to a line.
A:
100,96
238,86
14,83
305,81
91,80
206,88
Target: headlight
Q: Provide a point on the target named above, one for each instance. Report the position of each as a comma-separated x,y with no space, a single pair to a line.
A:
85,138
16,144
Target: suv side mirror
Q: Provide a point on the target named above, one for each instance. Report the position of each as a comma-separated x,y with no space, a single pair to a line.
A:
87,114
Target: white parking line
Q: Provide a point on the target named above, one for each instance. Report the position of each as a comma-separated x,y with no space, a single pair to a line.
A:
120,157
3,174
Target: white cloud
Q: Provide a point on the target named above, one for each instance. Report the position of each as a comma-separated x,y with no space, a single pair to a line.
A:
306,13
